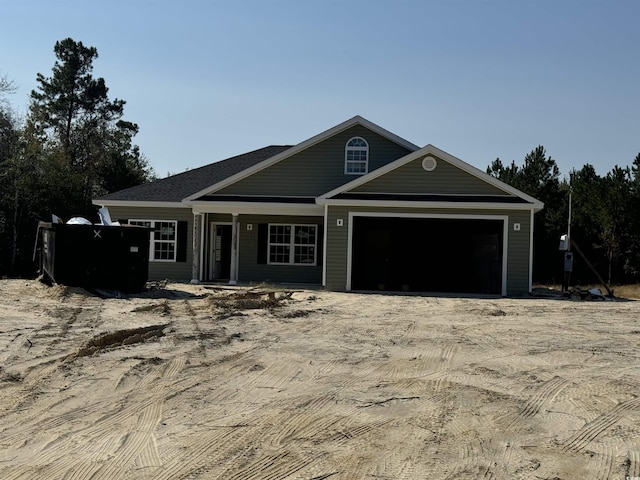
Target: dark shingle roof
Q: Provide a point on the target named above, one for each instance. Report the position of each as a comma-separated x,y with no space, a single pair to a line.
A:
177,187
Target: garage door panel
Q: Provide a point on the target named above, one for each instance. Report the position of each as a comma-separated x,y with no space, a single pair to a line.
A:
427,254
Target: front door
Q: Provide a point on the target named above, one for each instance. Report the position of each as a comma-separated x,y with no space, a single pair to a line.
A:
220,252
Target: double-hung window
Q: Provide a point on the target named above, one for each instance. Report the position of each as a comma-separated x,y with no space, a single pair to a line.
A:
356,160
292,244
163,239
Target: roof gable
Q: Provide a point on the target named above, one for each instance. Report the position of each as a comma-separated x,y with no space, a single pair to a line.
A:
316,169
444,179
303,146
451,177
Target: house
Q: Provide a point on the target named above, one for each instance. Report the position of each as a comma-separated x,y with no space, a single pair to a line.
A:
353,208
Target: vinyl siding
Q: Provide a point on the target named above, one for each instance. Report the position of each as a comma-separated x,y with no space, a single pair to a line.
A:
318,169
517,243
251,271
445,179
176,271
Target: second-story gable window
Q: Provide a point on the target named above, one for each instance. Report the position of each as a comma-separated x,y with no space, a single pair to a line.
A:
356,160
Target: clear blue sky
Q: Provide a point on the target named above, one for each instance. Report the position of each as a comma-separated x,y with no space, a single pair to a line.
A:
480,79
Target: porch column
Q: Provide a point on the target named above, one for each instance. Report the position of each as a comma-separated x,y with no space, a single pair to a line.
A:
195,265
233,274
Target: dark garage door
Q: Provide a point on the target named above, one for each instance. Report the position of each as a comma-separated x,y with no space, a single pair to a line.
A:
427,255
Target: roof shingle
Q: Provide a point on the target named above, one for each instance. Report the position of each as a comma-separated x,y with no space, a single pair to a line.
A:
179,186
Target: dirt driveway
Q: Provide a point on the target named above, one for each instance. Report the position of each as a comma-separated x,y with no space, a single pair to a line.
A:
190,382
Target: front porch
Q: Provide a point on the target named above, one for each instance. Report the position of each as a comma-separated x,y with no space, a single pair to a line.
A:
251,248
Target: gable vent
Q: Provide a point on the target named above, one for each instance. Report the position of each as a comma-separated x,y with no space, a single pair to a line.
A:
429,163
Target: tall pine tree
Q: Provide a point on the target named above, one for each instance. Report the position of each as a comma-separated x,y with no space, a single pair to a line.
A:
83,131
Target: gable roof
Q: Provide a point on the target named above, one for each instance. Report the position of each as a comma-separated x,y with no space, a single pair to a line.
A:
511,193
357,120
187,188
176,187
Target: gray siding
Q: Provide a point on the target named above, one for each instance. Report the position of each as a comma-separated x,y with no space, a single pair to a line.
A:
250,271
517,243
518,261
177,271
318,169
445,179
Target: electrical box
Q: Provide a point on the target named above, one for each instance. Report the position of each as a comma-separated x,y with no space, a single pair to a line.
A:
568,261
564,243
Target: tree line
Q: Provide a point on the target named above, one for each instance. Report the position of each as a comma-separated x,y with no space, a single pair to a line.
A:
72,145
604,217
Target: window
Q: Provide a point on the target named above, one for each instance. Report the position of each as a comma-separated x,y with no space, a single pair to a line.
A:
163,239
356,160
292,244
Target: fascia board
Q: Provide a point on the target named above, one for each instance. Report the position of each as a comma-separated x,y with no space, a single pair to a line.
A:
430,149
449,205
357,120
256,208
138,203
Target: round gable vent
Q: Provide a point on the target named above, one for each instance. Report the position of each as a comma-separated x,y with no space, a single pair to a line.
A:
429,163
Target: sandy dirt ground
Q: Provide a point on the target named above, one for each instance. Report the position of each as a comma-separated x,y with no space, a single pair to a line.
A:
191,382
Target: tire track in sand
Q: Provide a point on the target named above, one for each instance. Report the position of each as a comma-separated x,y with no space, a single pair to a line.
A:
139,444
592,430
483,461
474,461
545,394
604,462
632,462
208,448
138,419
270,467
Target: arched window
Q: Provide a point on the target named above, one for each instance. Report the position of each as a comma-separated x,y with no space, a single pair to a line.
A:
356,158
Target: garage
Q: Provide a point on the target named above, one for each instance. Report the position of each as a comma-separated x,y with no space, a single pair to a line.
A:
434,254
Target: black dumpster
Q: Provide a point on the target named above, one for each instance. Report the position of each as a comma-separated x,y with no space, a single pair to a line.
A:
109,257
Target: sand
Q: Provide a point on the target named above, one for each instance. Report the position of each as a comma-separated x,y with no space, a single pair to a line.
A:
194,382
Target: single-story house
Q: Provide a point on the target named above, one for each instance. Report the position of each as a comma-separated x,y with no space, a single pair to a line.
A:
355,207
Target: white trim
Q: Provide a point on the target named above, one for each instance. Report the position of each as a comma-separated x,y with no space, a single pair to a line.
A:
503,218
258,208
450,205
202,246
357,120
348,162
153,241
325,234
213,224
439,154
196,249
350,248
235,243
452,195
531,254
134,203
505,251
292,245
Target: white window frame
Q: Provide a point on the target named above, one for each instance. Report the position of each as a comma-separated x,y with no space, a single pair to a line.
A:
292,244
153,241
356,166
